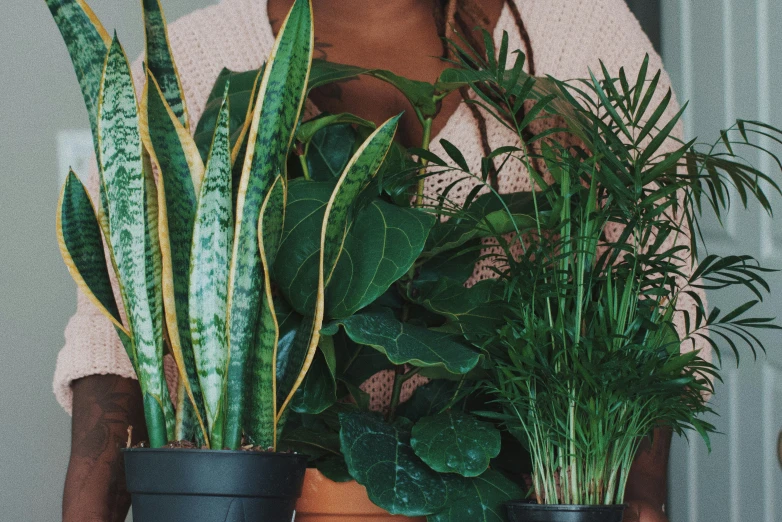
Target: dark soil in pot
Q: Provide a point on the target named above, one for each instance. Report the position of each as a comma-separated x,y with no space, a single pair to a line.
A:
521,511
194,485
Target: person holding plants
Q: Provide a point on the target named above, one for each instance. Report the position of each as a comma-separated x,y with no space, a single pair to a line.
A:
94,378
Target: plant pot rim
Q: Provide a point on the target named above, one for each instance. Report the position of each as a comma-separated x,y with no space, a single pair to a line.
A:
214,452
214,472
523,504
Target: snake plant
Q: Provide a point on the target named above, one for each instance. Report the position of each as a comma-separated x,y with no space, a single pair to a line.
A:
194,251
235,251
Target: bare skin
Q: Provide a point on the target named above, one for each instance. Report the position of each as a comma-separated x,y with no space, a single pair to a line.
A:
400,36
647,485
103,408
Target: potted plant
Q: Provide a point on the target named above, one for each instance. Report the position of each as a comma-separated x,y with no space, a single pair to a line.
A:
588,361
266,271
193,254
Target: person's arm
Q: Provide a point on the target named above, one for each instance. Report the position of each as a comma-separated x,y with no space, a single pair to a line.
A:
103,408
647,485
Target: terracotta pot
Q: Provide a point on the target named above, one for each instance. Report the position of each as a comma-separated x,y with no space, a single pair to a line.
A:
325,501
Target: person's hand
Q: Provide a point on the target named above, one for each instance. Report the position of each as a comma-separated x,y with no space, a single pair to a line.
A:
640,511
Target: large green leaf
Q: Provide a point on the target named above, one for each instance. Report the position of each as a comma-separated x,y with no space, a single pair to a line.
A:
261,415
242,92
355,362
296,268
160,59
382,245
275,116
379,457
208,281
473,311
81,246
479,499
405,343
121,163
341,211
88,43
329,151
338,216
455,442
179,179
319,389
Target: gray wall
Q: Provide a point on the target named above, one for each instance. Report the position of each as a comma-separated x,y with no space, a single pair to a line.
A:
724,57
39,96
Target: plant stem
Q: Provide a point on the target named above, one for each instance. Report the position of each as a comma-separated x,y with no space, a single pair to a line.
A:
419,195
303,160
400,377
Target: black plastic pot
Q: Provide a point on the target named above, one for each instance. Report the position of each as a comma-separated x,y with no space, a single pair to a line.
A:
521,511
191,485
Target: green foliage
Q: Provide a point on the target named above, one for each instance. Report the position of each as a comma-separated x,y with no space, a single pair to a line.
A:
380,247
274,120
305,258
88,43
587,361
208,279
481,499
160,61
318,392
126,191
247,257
242,92
405,343
164,140
454,442
81,244
379,457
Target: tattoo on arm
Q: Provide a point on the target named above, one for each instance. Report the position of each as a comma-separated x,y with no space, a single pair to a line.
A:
103,408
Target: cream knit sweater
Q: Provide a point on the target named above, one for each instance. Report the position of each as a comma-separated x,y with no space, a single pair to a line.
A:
237,34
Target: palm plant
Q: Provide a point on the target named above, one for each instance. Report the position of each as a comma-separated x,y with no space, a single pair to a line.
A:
589,359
